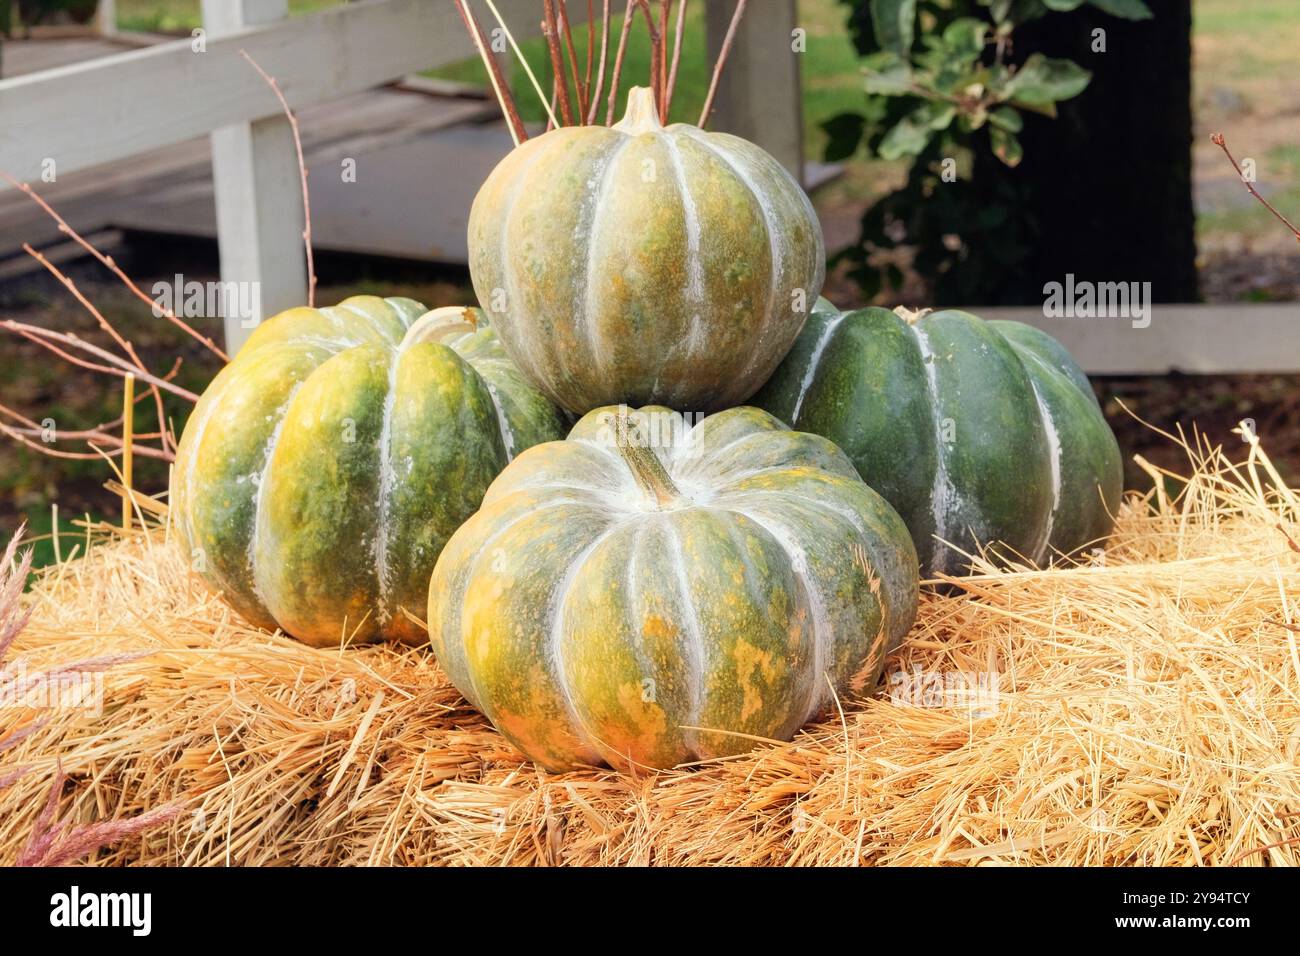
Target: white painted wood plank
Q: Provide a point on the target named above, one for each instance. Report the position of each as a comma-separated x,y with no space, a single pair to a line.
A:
258,211
1196,339
142,100
106,17
758,93
257,186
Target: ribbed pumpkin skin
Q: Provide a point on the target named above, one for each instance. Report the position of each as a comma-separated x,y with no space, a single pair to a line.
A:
640,264
591,623
324,469
977,432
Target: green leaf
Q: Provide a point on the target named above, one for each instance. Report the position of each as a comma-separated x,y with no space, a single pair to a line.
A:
908,138
894,22
843,133
1005,146
1062,6
1127,9
1045,80
886,73
1000,9
965,37
1008,119
936,116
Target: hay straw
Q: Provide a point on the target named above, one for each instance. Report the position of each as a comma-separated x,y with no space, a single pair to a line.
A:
1148,713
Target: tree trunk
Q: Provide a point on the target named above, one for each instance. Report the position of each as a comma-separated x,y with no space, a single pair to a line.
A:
1110,180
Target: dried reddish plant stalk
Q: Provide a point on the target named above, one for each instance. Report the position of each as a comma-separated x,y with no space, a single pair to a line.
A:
721,62
302,175
550,30
1219,141
112,266
600,73
499,85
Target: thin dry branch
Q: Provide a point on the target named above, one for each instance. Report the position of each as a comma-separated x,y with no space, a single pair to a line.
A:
600,73
500,87
656,48
566,31
302,175
550,30
113,267
1219,141
618,63
117,366
104,324
677,56
721,62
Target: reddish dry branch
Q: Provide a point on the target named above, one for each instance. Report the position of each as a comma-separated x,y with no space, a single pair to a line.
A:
721,62
600,73
661,94
591,47
656,43
302,174
499,85
116,366
578,87
550,29
1219,141
677,56
113,267
618,63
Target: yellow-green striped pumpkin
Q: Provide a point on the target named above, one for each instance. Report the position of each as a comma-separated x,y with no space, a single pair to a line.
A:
645,264
645,593
325,467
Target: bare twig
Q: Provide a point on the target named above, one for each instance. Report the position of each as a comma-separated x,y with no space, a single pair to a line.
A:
677,56
551,30
721,62
523,61
618,63
113,267
302,174
499,85
661,94
91,437
567,33
1220,142
656,43
104,324
591,48
600,73
117,366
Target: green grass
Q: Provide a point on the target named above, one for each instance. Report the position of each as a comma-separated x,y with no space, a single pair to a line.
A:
181,16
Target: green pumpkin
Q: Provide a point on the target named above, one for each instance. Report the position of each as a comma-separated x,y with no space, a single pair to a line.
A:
977,432
326,466
645,264
645,593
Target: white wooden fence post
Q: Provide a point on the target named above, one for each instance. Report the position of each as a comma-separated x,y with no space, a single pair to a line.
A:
106,17
758,94
258,193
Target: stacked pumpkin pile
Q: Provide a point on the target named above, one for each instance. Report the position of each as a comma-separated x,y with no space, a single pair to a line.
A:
677,574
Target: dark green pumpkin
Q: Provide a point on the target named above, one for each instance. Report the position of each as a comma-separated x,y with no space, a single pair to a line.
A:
977,432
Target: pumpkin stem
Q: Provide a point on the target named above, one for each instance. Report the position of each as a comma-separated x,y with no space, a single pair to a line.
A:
910,317
642,114
644,464
436,325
